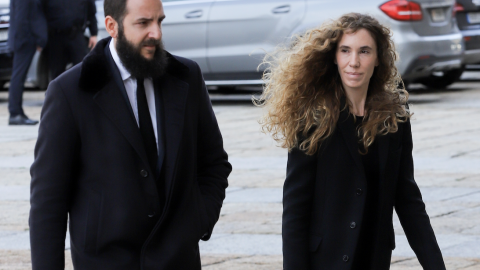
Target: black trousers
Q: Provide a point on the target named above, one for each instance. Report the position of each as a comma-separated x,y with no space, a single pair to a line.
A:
21,62
64,49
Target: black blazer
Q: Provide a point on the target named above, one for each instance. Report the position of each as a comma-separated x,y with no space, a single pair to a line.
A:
90,166
28,24
324,193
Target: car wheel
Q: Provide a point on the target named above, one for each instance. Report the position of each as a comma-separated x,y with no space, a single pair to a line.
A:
441,81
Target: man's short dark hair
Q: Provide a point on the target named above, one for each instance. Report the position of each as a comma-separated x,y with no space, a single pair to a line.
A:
117,9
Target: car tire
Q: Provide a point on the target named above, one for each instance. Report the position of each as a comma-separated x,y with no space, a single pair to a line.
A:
441,82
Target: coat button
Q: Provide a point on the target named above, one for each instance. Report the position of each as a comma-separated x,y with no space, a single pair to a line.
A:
345,258
359,191
143,173
353,225
151,215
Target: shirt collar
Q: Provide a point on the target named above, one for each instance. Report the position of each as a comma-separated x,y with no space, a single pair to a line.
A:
123,71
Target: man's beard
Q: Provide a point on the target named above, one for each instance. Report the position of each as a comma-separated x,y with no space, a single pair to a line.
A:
135,63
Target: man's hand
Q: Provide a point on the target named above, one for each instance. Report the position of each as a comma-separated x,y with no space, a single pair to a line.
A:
92,42
39,49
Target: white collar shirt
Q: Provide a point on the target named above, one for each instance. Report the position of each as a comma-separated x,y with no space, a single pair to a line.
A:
131,88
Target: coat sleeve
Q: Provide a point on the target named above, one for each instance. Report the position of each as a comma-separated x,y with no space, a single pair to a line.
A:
411,210
298,193
39,24
52,172
212,160
91,18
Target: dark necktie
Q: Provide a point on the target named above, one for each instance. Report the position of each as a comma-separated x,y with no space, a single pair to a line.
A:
146,127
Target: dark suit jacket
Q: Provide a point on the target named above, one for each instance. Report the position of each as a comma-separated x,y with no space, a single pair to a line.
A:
90,166
324,193
27,24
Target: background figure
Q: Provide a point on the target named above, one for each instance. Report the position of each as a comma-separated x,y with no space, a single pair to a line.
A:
27,33
67,21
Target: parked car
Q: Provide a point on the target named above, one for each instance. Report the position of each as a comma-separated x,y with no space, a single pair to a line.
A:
6,55
229,38
467,15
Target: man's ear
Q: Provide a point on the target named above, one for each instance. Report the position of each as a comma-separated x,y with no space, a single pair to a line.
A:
111,26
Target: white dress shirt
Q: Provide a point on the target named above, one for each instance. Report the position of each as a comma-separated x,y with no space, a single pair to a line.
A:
131,88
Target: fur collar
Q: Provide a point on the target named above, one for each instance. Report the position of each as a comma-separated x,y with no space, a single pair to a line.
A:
96,73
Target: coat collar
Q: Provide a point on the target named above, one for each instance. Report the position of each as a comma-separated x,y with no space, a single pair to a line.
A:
96,72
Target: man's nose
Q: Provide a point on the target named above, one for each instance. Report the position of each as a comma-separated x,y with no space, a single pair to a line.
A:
155,32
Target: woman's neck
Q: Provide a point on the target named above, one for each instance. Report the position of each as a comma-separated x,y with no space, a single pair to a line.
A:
357,98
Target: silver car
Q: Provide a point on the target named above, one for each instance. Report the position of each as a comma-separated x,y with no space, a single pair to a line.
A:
228,38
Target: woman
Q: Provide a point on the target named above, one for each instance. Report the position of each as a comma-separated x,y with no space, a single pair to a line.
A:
333,100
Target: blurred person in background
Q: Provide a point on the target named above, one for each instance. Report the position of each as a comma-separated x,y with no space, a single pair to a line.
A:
27,33
333,100
67,21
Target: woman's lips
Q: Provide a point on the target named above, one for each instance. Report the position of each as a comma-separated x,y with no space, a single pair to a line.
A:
353,74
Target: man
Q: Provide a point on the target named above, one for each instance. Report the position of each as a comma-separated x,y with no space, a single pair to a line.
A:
27,33
67,21
138,168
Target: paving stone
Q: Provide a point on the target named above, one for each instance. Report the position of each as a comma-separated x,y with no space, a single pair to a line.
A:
446,153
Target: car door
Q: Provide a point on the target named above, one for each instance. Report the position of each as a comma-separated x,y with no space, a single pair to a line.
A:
240,31
185,29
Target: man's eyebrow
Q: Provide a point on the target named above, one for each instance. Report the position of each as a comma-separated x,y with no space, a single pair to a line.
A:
144,19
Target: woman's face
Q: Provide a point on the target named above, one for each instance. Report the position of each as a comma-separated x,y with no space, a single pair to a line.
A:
356,58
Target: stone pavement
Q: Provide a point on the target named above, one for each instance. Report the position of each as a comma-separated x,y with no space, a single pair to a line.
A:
446,135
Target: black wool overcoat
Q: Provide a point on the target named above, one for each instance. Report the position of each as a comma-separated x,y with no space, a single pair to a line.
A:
90,166
324,193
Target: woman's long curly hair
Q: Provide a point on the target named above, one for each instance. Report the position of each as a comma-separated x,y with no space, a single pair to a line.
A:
303,90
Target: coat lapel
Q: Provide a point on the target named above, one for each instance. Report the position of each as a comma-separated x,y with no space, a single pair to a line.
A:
174,93
112,103
348,131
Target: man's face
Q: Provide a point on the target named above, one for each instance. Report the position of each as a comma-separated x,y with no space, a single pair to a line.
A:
142,25
138,43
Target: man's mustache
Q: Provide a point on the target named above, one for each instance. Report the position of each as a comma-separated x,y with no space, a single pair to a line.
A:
151,42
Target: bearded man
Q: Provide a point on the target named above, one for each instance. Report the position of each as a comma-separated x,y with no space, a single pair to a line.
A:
130,152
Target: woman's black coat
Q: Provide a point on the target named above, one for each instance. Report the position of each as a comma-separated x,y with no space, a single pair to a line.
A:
325,193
